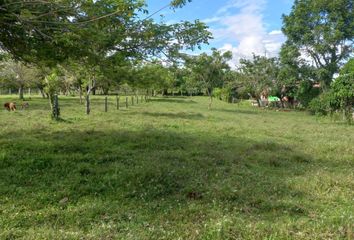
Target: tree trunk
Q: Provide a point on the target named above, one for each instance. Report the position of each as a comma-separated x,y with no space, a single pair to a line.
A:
210,98
90,88
88,107
20,92
41,90
259,102
210,102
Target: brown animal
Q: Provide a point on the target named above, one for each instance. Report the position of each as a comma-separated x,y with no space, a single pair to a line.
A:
10,106
24,105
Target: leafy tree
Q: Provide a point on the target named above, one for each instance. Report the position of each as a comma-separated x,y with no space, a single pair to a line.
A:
18,75
342,92
52,85
340,97
324,31
154,76
348,67
51,31
259,75
209,70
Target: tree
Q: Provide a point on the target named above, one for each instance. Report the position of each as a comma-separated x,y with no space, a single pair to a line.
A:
342,91
340,97
348,68
53,31
296,75
209,70
50,32
259,75
19,75
154,76
324,31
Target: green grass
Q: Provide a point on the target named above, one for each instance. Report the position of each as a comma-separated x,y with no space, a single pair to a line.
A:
171,169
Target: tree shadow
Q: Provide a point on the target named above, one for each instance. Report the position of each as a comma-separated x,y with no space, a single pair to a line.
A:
237,110
149,167
173,100
179,115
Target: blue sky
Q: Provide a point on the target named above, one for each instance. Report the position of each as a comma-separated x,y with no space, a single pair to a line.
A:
241,26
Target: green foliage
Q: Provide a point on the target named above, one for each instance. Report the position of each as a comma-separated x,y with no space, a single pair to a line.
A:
321,105
53,31
342,92
296,76
15,74
224,94
153,76
179,3
52,85
259,74
348,68
340,97
305,93
324,30
209,70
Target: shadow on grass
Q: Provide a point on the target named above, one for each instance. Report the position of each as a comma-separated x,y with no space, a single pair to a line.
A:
237,110
179,115
173,100
148,167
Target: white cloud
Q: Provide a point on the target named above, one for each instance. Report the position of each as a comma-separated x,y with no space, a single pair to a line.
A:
275,32
211,20
241,25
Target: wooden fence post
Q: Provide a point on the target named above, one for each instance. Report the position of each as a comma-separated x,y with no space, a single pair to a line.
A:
137,99
126,102
106,104
132,100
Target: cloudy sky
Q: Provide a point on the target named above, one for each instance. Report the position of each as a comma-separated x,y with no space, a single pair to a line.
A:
242,26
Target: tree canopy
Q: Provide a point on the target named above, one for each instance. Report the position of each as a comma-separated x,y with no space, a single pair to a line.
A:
323,30
52,31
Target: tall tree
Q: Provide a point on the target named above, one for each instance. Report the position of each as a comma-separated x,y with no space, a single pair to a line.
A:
49,32
52,31
324,31
19,75
209,70
259,75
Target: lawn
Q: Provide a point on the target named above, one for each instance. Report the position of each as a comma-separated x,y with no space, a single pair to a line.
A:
171,169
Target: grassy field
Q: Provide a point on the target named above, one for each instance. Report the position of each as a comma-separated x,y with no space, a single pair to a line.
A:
171,169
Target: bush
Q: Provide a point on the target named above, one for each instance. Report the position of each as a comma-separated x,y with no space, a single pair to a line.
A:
340,98
342,95
321,105
217,93
223,94
306,93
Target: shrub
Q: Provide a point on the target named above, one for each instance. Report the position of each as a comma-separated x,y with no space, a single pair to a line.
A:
224,94
306,93
342,95
320,105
